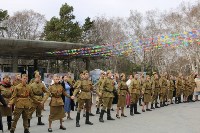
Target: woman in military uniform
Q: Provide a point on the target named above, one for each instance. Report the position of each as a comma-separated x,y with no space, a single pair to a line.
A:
6,91
146,90
56,104
122,92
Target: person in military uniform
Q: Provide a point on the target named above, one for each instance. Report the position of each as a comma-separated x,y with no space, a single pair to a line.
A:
3,102
142,80
192,84
84,87
107,94
155,90
186,86
21,98
6,91
163,91
17,80
179,86
146,91
38,90
56,103
122,91
33,79
75,87
135,93
171,86
98,84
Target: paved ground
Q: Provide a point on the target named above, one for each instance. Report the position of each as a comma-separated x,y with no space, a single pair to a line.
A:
181,118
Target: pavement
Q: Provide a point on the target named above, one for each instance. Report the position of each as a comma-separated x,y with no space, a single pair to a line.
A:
176,118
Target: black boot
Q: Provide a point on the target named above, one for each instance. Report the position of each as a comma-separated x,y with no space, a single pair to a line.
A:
1,123
97,112
179,99
131,109
26,131
9,119
87,121
135,109
140,101
161,105
152,106
101,116
77,119
29,121
109,115
40,122
156,105
176,100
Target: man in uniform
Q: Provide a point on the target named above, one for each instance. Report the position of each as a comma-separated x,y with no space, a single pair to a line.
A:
38,90
163,91
179,86
107,94
84,87
21,98
155,90
135,92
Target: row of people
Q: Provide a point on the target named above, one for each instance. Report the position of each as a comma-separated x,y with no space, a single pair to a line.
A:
30,97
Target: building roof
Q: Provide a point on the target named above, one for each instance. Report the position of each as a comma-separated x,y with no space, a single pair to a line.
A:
35,49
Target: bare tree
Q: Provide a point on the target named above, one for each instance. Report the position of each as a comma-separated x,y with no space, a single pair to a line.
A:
25,24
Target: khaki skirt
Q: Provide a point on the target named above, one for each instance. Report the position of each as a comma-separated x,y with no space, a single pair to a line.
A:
147,98
5,111
121,101
56,113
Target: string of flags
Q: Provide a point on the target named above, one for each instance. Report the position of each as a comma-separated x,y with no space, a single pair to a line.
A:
177,40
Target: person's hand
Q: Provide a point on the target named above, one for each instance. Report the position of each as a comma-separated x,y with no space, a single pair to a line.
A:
72,97
9,106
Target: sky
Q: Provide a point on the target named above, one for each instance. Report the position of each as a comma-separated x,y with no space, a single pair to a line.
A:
90,8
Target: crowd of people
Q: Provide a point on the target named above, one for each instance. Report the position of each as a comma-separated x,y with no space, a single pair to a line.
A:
156,91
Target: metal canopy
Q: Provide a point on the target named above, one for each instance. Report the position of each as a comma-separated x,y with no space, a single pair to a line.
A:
35,49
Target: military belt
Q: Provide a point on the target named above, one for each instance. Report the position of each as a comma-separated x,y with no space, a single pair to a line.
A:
57,96
123,89
108,91
6,96
38,94
23,96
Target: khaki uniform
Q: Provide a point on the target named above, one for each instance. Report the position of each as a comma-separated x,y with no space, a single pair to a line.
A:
155,90
192,85
171,86
163,91
98,92
147,89
84,87
6,92
38,90
16,82
21,98
122,91
75,87
56,104
186,85
135,91
107,89
179,86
